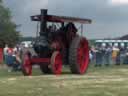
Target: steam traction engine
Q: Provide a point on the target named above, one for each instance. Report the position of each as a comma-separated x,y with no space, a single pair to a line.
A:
55,47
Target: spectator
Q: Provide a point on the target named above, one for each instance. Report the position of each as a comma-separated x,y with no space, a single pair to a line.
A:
115,51
98,57
122,54
17,62
93,52
126,57
118,58
10,59
107,55
90,56
15,50
5,53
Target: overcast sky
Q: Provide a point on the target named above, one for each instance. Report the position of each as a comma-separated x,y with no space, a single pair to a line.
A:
21,12
109,20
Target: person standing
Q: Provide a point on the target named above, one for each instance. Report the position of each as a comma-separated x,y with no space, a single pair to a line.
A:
118,58
93,52
98,56
107,55
126,56
5,53
122,54
17,62
115,51
10,59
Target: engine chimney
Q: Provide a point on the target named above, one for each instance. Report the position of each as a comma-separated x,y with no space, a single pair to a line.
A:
43,23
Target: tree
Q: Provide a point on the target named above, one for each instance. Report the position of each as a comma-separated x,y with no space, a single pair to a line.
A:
8,33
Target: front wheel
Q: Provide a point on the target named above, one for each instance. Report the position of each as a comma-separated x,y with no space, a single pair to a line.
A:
26,66
56,63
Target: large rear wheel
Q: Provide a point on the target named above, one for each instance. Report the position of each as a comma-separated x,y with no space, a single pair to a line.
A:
79,55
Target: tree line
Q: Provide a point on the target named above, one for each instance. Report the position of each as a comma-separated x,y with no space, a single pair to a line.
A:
8,33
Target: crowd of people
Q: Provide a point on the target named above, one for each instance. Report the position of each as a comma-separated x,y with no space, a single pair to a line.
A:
12,58
106,55
99,55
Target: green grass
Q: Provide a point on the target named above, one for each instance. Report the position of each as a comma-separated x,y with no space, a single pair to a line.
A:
104,81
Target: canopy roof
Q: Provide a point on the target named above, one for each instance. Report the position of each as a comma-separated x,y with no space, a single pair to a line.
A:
61,19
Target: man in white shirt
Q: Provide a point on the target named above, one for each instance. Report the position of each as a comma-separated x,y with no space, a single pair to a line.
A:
5,52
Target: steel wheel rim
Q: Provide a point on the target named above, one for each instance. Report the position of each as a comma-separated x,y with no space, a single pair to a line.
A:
57,63
83,56
27,67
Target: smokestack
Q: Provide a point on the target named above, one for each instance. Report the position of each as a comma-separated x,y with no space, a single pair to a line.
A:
43,23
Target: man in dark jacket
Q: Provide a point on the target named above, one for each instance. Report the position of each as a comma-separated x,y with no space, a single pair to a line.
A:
99,58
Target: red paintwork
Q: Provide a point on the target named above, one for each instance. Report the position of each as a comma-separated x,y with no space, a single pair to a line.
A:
83,55
27,65
60,19
40,60
56,62
10,51
61,41
56,45
53,18
28,62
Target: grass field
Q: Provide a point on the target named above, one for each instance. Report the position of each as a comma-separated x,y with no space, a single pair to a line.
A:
104,81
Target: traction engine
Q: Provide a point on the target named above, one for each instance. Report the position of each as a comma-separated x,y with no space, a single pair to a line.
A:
58,46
